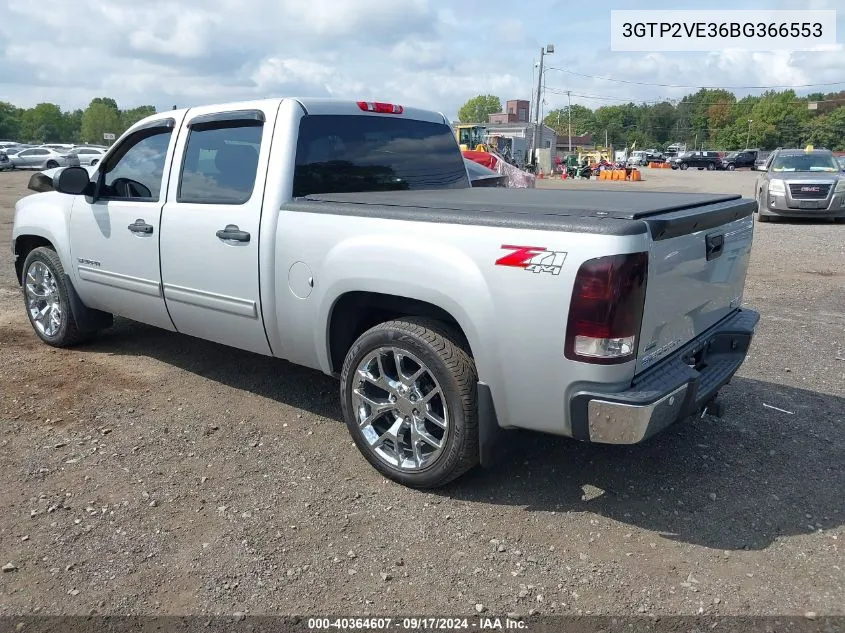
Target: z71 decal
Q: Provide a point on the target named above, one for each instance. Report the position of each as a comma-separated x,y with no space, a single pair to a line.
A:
536,259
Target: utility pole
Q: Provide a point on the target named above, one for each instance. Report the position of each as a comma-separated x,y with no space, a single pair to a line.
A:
569,115
748,136
546,50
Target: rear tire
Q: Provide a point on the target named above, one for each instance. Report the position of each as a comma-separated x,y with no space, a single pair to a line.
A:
711,166
390,440
684,166
46,299
51,164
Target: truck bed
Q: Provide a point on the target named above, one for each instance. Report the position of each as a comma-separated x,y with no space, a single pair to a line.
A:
609,212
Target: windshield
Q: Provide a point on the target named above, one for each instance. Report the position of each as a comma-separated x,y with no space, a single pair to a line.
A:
353,153
804,162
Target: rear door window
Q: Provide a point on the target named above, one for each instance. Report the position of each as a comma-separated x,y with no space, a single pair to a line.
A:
351,153
221,163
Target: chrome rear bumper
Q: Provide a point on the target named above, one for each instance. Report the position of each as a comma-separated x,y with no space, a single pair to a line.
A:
677,387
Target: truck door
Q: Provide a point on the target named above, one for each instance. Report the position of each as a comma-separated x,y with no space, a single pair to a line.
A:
209,235
114,236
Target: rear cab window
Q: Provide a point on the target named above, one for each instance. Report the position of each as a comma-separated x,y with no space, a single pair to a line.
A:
361,153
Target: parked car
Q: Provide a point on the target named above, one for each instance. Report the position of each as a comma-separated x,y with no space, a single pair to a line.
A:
12,151
481,176
643,158
736,160
5,163
801,183
88,155
841,161
43,158
701,160
346,237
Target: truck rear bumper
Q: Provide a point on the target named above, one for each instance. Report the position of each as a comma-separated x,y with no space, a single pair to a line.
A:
676,388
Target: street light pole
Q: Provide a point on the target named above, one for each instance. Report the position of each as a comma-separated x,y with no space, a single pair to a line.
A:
748,136
546,50
569,114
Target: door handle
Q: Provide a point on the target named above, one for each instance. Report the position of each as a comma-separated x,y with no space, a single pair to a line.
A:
139,226
232,232
714,244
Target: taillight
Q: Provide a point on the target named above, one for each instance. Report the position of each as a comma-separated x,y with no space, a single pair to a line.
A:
378,106
606,310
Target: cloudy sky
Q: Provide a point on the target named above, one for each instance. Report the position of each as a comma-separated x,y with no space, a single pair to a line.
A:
428,53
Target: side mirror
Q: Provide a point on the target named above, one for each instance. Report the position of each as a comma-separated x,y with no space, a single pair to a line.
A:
40,183
72,180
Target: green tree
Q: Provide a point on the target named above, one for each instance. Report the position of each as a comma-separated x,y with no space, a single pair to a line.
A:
107,101
10,121
42,124
658,122
583,120
128,118
477,109
72,126
783,119
99,117
828,130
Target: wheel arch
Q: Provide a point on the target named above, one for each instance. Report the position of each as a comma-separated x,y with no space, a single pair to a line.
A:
87,319
23,245
354,312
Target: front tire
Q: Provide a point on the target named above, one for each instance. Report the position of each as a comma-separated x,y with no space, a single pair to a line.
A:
409,398
731,167
710,166
47,300
683,166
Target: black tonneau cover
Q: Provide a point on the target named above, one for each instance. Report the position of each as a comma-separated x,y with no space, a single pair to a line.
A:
614,212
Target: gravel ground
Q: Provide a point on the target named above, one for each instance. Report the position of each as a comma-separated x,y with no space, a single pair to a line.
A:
152,473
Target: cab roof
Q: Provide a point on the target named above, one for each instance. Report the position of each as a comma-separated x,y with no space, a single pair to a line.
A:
315,106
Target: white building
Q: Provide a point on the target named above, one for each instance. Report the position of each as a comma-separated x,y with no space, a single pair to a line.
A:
546,137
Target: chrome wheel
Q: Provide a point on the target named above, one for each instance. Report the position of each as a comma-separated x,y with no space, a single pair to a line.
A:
42,299
400,408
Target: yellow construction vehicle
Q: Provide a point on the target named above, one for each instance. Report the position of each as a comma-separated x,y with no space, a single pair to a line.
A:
471,137
595,157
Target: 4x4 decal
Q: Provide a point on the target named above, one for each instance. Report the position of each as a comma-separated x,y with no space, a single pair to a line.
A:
535,259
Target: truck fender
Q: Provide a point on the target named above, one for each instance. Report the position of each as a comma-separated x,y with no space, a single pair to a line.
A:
441,275
45,216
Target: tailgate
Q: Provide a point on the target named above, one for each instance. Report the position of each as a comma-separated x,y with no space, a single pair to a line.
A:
696,274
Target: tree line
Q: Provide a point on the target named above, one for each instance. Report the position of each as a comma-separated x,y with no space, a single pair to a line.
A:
708,119
48,123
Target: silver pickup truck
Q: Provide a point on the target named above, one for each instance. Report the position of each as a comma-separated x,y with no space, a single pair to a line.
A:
345,237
